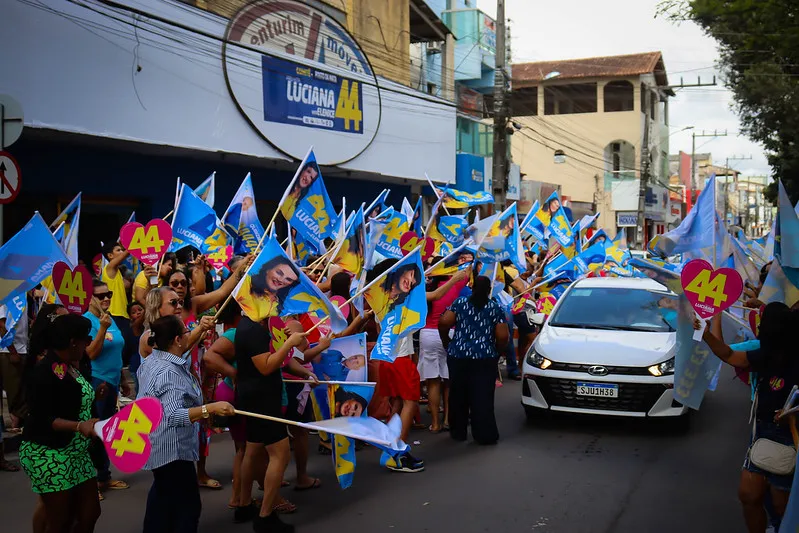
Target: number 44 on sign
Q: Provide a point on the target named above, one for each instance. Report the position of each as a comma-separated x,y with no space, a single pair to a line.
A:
126,435
709,291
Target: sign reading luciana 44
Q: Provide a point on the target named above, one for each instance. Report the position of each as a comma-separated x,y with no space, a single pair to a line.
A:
300,78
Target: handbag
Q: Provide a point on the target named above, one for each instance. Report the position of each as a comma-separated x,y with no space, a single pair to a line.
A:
769,455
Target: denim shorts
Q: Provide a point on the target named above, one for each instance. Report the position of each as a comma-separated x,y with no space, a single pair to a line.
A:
770,430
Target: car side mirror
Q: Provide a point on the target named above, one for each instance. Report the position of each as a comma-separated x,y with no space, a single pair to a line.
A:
538,319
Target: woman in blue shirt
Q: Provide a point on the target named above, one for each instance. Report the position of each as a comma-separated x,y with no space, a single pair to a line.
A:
472,357
105,352
173,503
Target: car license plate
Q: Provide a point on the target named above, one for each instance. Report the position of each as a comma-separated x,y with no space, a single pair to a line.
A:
602,390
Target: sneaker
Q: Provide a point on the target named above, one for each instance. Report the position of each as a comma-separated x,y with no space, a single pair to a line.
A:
271,524
244,514
405,463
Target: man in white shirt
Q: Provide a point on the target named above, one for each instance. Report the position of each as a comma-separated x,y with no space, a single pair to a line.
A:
11,360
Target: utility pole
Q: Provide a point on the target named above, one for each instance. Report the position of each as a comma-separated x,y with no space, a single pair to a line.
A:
500,156
694,135
727,181
644,179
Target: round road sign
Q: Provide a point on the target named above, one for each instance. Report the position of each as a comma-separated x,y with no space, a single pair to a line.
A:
11,123
10,178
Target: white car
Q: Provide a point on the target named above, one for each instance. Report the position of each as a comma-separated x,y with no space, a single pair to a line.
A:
607,348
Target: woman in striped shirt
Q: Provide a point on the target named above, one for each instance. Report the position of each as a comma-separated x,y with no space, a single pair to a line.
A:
173,503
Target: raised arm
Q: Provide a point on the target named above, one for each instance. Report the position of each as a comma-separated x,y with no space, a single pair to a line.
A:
267,362
715,340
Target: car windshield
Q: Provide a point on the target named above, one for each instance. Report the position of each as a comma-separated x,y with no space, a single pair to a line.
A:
617,309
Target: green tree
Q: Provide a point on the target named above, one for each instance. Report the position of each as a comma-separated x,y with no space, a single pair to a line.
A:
759,46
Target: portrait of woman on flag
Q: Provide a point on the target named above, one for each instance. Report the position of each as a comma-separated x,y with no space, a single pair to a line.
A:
306,178
395,288
266,287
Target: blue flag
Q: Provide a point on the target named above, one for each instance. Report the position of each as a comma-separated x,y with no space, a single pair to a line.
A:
695,231
529,218
241,219
399,301
306,205
66,227
592,258
559,226
451,227
195,224
453,198
377,206
498,238
16,307
388,243
206,191
274,286
28,258
786,238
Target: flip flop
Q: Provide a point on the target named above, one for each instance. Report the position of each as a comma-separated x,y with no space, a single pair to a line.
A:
285,507
315,485
116,484
211,484
434,431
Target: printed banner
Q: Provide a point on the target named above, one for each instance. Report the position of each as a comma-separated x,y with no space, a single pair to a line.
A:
73,287
350,255
710,291
399,301
241,219
148,243
455,199
306,204
126,435
306,96
388,243
274,286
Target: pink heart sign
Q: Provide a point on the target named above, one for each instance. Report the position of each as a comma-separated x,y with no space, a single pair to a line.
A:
710,291
126,435
219,258
146,243
72,287
338,301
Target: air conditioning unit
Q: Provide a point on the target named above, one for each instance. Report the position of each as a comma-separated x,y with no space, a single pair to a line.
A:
433,49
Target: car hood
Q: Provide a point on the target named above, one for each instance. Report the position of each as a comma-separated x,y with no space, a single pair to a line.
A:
605,347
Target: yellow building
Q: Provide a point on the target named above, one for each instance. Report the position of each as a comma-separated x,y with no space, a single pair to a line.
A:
581,125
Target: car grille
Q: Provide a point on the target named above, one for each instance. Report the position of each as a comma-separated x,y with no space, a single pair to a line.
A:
622,370
633,397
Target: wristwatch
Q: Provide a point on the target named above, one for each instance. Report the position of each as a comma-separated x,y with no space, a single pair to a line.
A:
206,414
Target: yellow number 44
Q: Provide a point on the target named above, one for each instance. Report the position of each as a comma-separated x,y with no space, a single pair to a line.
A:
133,428
348,107
144,241
706,288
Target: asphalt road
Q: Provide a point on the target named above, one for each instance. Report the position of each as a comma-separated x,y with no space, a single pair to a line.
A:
570,474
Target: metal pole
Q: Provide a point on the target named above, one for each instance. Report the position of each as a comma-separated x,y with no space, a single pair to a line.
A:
500,156
644,178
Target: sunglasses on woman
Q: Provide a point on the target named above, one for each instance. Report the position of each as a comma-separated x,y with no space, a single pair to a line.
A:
174,303
178,283
104,295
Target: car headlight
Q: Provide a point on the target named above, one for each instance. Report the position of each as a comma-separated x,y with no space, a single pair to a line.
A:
662,369
537,360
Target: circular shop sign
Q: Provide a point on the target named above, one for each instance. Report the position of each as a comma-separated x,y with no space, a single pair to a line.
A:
300,79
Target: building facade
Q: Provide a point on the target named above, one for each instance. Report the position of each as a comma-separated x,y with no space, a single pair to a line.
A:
593,127
120,101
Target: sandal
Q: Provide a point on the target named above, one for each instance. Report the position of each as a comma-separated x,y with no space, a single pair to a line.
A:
5,466
211,484
116,484
284,507
434,431
315,485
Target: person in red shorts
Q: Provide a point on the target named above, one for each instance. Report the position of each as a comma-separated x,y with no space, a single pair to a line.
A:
400,382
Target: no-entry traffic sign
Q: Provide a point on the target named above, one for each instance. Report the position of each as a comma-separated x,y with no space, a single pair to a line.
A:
10,178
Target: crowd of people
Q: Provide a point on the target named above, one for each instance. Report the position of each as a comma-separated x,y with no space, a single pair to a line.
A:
171,330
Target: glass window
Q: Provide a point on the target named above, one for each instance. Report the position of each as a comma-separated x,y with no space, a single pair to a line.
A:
616,308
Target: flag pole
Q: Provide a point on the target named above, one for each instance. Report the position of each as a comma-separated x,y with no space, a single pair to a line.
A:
435,191
315,427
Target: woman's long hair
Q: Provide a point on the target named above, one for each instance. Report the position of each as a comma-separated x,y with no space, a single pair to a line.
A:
186,274
778,327
258,284
342,396
340,285
481,292
392,279
303,191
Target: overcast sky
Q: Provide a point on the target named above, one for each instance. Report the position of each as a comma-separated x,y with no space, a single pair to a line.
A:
570,29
